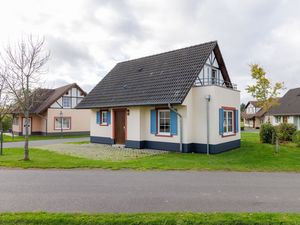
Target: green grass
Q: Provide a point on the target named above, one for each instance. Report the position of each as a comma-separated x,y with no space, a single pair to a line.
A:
252,156
78,142
149,218
8,138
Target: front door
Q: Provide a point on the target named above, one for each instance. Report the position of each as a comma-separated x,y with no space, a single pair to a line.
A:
29,126
120,126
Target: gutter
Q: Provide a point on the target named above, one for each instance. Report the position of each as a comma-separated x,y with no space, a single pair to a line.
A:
180,124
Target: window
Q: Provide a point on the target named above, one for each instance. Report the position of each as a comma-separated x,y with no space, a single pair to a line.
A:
66,101
103,118
228,125
65,125
164,123
277,119
213,76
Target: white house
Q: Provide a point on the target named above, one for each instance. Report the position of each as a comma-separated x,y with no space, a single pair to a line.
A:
288,109
182,100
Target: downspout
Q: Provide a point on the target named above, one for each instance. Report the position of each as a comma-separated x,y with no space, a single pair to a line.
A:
208,98
180,124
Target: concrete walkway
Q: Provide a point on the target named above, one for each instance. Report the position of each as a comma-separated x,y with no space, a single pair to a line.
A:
43,142
151,191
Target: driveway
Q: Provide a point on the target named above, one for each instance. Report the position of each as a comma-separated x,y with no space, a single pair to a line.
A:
43,142
153,191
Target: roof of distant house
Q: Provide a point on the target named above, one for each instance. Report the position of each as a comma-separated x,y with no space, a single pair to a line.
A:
289,104
43,98
158,79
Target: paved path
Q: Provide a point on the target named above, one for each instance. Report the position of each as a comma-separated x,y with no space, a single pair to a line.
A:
43,142
133,191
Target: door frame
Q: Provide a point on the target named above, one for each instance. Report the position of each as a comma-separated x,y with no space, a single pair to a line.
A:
114,123
22,125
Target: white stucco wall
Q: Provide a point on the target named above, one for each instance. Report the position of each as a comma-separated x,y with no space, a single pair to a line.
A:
96,129
220,97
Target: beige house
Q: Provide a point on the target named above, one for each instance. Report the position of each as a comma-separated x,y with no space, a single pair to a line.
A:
54,112
181,100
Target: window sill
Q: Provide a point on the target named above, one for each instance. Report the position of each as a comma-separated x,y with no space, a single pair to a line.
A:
229,135
104,125
163,135
62,129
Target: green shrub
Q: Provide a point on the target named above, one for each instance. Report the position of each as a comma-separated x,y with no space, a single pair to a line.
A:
242,126
267,133
296,138
285,131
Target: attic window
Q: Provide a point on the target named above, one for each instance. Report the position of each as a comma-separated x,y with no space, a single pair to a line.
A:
140,69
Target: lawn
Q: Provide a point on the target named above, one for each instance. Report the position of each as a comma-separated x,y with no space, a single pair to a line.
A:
148,218
252,156
8,138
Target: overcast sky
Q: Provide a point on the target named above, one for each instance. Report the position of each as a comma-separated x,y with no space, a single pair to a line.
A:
87,38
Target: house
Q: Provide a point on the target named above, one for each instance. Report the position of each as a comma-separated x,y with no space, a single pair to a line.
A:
53,112
181,100
288,109
253,116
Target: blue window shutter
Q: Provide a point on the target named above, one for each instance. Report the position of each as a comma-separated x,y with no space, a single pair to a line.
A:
221,121
173,118
237,119
153,128
98,117
108,117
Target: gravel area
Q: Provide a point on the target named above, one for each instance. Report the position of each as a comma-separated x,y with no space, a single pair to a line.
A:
100,152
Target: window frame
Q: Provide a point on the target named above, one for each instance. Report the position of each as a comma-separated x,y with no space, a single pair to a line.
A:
278,119
62,118
70,101
225,121
159,133
101,118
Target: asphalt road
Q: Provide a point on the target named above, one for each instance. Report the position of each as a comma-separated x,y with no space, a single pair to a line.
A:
43,142
132,191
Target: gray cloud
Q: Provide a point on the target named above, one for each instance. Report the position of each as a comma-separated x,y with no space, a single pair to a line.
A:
86,39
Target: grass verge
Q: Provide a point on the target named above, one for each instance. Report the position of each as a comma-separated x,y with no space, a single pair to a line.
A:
148,218
8,138
252,156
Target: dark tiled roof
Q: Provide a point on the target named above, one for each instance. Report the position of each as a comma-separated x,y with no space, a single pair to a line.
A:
44,98
289,104
157,79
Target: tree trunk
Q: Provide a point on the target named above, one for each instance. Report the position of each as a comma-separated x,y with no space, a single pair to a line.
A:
26,149
1,144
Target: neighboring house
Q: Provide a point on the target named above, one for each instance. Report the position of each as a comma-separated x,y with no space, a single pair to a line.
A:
253,116
288,110
53,111
140,102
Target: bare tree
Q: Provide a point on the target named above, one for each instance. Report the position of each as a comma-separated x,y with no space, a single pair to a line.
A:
5,107
22,66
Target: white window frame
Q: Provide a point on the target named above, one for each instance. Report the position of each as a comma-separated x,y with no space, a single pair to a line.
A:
63,102
158,122
226,124
57,126
277,119
102,122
